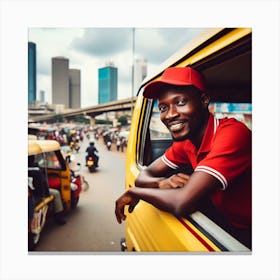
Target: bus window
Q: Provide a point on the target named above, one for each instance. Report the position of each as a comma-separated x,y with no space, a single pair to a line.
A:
155,137
157,129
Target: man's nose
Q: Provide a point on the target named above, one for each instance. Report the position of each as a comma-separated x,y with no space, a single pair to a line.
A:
172,112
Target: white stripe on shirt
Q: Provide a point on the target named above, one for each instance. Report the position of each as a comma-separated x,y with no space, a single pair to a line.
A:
216,124
214,173
169,163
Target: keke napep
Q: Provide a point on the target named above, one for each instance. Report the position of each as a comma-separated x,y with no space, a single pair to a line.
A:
47,168
223,56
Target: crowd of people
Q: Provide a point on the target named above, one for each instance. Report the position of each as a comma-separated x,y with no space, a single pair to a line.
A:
71,136
111,138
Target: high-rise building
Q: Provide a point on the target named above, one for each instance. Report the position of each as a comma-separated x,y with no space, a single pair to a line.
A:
42,96
32,82
60,81
107,84
75,88
140,73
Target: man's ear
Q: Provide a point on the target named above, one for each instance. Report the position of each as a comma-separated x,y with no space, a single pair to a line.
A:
205,99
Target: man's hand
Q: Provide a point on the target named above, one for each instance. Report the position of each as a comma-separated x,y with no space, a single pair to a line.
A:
125,199
175,181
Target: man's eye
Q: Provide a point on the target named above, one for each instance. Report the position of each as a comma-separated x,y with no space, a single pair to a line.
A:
181,102
162,108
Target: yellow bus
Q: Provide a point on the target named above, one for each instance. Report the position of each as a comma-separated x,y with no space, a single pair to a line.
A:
224,56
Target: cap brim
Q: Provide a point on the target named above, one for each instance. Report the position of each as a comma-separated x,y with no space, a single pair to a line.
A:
152,90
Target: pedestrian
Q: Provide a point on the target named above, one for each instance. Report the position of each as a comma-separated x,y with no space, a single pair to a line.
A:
122,143
118,143
219,151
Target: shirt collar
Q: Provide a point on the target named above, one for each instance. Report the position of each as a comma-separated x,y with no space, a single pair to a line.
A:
210,131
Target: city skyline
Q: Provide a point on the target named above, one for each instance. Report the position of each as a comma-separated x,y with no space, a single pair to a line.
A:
91,48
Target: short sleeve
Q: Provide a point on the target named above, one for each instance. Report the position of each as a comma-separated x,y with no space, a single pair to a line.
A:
175,155
230,153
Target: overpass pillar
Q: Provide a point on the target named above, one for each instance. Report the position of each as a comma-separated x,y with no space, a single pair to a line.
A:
92,121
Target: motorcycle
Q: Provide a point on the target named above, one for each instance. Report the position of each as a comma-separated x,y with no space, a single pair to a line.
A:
109,144
78,183
77,146
72,145
91,164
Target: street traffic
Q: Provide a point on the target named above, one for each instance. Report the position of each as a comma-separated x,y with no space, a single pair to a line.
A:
91,227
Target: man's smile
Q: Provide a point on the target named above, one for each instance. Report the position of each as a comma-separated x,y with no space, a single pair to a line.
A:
176,126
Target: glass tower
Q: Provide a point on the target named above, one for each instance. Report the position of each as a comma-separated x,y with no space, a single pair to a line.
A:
107,84
31,73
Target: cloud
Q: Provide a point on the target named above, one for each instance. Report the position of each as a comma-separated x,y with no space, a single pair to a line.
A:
43,67
103,41
158,44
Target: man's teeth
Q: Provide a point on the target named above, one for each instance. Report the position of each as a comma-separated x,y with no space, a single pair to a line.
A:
177,126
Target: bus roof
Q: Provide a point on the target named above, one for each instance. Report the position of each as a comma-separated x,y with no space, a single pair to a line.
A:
217,53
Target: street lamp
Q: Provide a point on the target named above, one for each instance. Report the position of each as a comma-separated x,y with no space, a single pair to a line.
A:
132,74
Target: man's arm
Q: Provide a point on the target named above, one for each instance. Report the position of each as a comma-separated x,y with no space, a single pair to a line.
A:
154,176
178,201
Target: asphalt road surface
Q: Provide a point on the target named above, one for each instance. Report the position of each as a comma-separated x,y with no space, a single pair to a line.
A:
92,226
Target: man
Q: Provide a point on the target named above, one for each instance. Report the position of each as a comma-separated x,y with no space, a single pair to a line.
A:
91,152
219,152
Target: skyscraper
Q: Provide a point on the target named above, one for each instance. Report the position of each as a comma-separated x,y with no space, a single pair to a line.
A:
75,88
32,83
42,96
107,84
140,73
60,81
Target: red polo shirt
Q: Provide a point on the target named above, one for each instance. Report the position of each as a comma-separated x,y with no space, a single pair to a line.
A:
225,153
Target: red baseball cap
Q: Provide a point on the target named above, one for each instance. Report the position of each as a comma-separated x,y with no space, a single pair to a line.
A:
180,76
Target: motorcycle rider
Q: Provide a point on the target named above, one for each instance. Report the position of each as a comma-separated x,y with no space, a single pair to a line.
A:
91,152
77,144
109,144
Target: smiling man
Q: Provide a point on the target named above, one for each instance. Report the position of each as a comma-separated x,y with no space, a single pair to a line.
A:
219,151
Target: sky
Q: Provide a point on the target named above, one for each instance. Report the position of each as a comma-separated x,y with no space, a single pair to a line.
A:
91,48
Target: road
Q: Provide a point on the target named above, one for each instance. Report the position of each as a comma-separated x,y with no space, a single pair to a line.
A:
92,226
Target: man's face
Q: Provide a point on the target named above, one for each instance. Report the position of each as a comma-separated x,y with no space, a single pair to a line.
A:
183,111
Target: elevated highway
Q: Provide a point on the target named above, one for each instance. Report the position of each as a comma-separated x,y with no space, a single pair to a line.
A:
92,111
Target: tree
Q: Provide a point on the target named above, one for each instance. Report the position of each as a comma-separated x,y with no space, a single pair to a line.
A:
81,119
58,118
123,120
